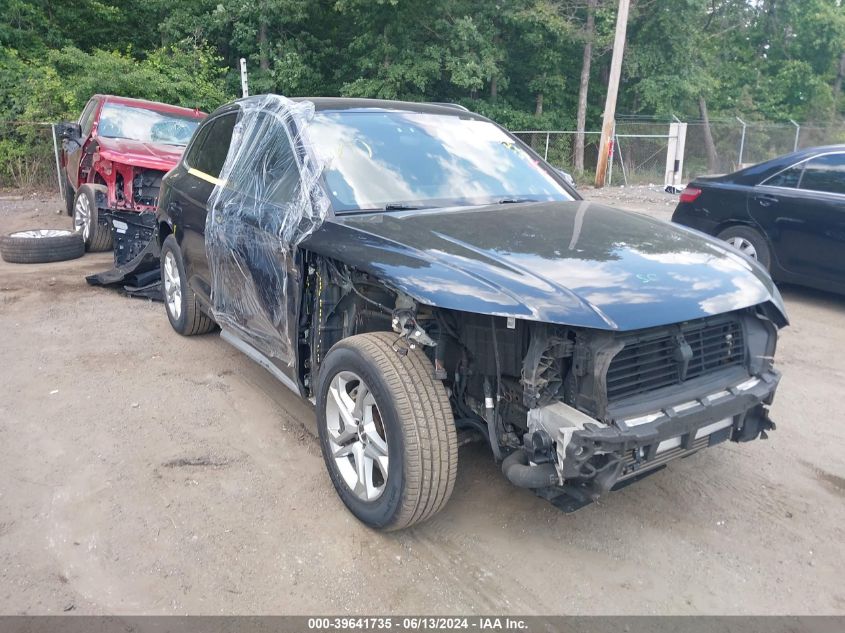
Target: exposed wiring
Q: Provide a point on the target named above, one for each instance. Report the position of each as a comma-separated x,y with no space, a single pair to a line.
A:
349,284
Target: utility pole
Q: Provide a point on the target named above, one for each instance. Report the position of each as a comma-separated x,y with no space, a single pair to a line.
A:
612,90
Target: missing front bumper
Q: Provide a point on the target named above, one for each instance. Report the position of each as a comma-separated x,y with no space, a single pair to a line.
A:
592,458
136,255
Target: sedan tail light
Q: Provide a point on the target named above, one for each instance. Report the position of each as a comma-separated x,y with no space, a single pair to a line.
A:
689,194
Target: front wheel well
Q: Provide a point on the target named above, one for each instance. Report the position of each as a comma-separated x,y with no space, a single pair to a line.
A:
765,253
164,229
733,222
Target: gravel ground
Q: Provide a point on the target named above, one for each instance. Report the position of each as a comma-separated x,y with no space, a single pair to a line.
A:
143,472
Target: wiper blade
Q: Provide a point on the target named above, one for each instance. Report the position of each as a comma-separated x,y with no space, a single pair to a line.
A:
514,200
397,206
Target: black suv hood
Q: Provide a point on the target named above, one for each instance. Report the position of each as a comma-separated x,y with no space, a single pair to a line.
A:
574,263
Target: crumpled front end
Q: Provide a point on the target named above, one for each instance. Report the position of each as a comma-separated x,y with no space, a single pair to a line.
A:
633,402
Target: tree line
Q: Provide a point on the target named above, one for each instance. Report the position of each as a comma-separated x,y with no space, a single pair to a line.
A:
529,64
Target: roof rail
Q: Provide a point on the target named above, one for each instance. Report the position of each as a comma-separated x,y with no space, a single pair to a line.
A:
450,105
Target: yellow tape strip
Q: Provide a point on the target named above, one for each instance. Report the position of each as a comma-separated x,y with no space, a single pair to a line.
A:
206,177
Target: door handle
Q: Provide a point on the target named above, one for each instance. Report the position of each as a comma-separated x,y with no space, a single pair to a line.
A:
765,200
174,207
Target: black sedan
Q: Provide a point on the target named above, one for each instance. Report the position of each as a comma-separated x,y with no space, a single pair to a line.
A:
787,213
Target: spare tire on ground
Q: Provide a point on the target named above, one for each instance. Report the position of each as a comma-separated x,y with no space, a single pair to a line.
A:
37,246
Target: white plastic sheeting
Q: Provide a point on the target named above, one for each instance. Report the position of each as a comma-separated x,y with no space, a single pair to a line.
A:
267,201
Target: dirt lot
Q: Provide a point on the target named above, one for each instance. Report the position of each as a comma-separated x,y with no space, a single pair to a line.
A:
143,472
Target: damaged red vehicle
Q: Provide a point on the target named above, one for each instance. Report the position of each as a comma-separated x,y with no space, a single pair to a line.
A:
114,157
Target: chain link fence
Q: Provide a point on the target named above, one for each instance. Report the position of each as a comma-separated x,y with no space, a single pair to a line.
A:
639,152
641,145
718,154
811,135
558,147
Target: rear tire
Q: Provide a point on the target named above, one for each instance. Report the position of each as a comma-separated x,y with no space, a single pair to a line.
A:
410,413
180,302
86,219
749,242
37,246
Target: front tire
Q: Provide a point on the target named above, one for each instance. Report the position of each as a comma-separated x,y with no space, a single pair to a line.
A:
386,431
180,302
749,242
86,220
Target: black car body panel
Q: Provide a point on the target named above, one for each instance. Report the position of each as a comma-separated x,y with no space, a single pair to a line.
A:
573,263
804,228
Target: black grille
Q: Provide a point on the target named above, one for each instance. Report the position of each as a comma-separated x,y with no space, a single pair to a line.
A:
660,358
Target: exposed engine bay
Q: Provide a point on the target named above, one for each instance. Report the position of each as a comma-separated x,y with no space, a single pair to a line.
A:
570,412
129,187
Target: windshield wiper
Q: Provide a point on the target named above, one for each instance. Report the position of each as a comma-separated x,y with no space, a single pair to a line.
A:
514,200
398,206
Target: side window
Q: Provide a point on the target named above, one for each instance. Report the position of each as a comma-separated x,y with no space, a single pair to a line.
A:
270,171
210,152
825,173
194,148
281,174
86,121
787,178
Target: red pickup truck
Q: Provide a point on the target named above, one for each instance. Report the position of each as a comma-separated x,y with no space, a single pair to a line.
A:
114,158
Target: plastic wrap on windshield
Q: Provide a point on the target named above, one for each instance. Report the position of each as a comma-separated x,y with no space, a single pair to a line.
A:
267,200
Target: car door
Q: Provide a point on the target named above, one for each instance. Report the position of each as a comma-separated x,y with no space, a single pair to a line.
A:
252,238
823,181
74,148
802,210
190,189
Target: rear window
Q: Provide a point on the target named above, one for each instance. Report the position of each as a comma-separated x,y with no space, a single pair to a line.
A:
825,173
787,178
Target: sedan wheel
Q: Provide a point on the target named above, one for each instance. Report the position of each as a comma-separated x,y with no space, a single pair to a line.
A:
748,241
744,246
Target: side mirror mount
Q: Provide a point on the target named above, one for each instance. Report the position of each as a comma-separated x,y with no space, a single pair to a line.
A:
69,131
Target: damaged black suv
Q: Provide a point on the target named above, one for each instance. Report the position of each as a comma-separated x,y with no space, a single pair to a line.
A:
425,278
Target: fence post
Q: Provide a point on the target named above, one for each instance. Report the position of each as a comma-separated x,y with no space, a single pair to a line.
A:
741,142
546,153
671,153
797,132
621,160
244,81
58,162
680,150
